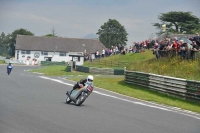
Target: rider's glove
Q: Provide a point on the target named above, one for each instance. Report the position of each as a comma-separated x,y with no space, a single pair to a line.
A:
81,86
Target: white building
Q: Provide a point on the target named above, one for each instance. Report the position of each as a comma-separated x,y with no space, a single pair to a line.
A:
29,48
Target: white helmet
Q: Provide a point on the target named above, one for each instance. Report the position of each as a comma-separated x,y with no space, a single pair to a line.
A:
90,78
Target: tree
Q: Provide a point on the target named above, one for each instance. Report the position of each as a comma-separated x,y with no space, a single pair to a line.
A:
179,22
112,33
2,38
50,35
14,35
53,34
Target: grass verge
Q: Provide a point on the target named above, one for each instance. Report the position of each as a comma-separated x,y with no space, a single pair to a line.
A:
146,62
2,62
117,84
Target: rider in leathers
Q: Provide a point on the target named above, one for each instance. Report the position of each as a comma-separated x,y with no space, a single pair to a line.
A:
9,67
82,82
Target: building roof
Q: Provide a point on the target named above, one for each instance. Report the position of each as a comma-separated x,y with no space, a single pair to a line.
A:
57,44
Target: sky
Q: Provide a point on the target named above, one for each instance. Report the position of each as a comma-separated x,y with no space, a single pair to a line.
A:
80,18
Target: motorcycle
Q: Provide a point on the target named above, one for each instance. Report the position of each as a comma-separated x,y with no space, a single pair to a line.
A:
9,70
79,95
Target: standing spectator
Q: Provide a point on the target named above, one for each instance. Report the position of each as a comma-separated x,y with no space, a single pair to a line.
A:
155,50
175,46
162,49
182,50
97,54
106,52
117,50
140,47
194,49
146,42
130,49
169,46
189,48
103,53
197,39
114,50
90,57
109,52
137,47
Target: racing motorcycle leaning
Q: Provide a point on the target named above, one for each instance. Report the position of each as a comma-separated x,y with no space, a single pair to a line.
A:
79,95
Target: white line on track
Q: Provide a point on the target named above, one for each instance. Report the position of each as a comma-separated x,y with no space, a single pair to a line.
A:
171,109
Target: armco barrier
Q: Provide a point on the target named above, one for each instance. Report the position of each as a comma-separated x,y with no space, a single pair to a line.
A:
118,71
82,69
68,68
105,71
52,63
165,84
193,89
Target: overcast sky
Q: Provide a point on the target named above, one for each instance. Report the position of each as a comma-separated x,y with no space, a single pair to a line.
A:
78,18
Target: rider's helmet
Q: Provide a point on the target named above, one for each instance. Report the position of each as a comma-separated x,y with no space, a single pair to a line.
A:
90,78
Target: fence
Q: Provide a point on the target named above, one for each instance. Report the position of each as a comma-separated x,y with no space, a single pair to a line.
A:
187,54
51,63
106,71
68,69
108,63
186,89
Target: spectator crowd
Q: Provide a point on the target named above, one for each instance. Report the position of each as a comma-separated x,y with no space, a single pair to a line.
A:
184,47
174,46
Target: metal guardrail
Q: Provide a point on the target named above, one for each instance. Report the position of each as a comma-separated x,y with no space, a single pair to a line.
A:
106,71
100,62
52,63
183,88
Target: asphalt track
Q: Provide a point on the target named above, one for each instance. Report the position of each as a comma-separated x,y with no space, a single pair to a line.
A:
33,103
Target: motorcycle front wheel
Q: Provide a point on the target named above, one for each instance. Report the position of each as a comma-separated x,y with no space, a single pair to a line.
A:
9,72
80,99
68,100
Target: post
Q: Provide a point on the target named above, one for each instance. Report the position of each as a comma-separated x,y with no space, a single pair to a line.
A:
124,70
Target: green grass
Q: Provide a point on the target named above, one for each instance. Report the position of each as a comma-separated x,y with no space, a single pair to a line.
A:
2,62
118,85
56,71
122,59
145,62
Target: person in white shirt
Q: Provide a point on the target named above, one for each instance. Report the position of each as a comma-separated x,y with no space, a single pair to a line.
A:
97,54
103,53
117,50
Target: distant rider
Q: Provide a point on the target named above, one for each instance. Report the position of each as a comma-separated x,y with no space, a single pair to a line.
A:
82,82
9,67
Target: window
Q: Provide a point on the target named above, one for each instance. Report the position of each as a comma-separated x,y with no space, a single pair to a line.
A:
76,59
28,52
25,52
44,53
62,54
